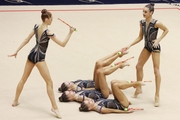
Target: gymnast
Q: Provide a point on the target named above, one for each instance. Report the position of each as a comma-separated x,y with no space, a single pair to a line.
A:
119,104
77,85
80,96
149,29
37,55
102,68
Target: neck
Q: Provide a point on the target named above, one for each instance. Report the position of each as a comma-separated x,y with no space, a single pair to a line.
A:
148,19
94,107
44,25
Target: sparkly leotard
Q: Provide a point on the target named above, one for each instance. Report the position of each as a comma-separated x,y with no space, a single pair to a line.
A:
110,103
84,84
38,53
93,94
150,34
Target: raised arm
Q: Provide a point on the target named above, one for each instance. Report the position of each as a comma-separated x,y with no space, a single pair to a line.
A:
23,44
65,41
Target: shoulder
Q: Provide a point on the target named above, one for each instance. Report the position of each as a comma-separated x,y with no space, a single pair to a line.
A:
158,24
36,26
49,33
142,21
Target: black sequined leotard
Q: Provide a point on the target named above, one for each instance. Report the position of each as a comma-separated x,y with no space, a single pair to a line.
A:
110,103
93,94
84,84
150,34
38,53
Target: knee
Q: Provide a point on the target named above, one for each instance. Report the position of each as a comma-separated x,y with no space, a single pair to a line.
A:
99,64
139,67
99,71
156,71
113,82
106,95
49,83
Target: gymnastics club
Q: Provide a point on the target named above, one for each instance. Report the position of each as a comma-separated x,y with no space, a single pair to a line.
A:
143,81
127,109
114,64
136,108
125,60
66,23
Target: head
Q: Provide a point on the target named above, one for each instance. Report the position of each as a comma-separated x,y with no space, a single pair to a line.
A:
87,105
46,17
67,96
66,86
148,10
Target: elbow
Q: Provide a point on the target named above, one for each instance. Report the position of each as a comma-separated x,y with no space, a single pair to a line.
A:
140,38
63,45
167,30
26,41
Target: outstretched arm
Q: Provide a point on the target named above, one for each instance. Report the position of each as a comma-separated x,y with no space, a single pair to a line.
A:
104,110
138,39
22,44
65,41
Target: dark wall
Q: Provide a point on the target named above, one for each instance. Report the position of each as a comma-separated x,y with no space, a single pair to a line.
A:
71,2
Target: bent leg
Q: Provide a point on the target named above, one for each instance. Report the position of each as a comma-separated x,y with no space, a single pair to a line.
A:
107,61
117,86
27,70
156,64
144,56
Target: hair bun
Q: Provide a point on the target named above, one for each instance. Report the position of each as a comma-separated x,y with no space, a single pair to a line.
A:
152,4
60,89
80,109
43,11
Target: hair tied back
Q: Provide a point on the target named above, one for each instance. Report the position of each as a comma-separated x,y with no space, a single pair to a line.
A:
152,4
44,11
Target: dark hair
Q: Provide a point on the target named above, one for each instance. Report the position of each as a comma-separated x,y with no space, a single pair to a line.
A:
63,87
45,14
83,107
150,6
63,98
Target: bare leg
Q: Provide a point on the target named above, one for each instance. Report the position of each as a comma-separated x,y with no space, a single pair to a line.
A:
27,70
107,61
43,69
101,82
117,86
144,56
156,64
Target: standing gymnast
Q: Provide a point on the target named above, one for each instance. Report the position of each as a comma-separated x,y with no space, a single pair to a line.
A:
149,28
37,57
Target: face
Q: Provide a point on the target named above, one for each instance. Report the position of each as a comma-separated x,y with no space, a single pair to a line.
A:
146,12
90,103
70,85
70,94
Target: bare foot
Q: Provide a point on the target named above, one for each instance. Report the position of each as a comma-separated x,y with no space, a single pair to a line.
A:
156,102
140,83
123,65
56,112
137,92
14,104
